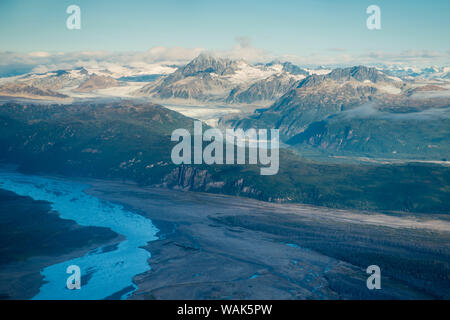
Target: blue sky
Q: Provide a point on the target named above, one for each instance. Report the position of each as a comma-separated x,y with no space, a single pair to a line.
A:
281,27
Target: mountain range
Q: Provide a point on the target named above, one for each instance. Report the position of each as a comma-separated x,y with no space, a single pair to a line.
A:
206,79
359,111
319,96
213,79
60,84
387,112
25,90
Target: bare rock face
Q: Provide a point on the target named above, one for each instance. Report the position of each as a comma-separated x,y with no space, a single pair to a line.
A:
269,89
201,79
205,63
424,89
25,90
189,179
95,82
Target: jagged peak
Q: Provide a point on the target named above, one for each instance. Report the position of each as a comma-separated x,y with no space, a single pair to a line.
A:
207,62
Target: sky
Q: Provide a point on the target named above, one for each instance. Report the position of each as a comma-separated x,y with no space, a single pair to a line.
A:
309,31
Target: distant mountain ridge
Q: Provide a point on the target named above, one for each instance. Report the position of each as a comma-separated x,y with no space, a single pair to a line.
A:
95,82
213,79
359,111
23,90
319,96
209,78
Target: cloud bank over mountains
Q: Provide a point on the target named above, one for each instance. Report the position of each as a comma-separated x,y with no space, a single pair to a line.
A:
12,63
156,59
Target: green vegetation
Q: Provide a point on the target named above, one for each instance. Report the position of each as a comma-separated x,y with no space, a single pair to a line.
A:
398,138
132,141
31,228
411,187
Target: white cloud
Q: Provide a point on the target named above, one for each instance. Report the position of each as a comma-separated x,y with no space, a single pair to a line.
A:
243,49
372,58
158,59
158,54
40,69
154,60
39,54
